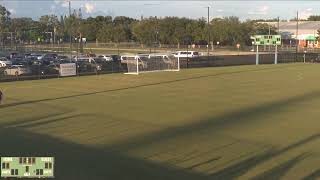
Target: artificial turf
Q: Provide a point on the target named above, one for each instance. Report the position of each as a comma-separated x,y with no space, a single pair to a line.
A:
241,122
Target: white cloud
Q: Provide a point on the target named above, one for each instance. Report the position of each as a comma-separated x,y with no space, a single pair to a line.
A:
263,9
64,3
89,8
219,10
260,11
309,9
52,7
305,14
12,11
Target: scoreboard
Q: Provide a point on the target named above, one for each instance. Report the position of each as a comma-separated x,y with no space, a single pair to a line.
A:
27,167
266,40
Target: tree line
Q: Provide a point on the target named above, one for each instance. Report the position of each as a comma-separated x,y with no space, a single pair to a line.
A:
148,31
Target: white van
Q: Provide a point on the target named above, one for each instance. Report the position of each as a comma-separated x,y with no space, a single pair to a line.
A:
164,56
185,54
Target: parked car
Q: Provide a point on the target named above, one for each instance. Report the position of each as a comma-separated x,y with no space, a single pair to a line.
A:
60,58
4,62
141,59
16,71
12,55
50,56
36,56
105,57
86,59
91,55
186,54
86,66
50,69
115,57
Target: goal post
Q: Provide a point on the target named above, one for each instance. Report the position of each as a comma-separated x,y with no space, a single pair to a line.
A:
150,63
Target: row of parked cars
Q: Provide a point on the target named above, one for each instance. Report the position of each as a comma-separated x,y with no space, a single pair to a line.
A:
16,64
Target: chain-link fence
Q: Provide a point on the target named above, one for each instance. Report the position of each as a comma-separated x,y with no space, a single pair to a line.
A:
30,71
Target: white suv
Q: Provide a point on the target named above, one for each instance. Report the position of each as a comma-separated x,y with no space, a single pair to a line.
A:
105,57
16,71
185,54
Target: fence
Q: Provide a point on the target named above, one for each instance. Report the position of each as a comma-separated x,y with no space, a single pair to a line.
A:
117,48
40,72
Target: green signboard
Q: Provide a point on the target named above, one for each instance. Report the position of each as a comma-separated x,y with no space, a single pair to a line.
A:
261,40
27,167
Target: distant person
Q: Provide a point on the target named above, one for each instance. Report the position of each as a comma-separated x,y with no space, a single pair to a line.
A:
1,97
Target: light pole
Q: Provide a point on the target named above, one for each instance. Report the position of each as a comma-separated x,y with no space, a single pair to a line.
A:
208,31
70,30
297,31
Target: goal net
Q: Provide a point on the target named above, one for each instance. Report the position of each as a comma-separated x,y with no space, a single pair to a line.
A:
150,63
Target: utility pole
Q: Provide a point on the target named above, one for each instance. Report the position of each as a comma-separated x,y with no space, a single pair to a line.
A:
297,31
278,25
208,31
11,39
269,36
70,33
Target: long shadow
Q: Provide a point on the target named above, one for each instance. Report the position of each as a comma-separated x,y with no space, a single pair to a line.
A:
204,162
313,175
46,122
240,168
241,116
77,162
137,86
23,120
280,170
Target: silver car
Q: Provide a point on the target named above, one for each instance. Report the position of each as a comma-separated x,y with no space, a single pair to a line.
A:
16,71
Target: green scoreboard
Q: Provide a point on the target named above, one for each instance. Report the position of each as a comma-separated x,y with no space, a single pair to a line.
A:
27,167
266,40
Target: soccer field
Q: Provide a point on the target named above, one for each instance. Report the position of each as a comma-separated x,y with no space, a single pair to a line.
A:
241,122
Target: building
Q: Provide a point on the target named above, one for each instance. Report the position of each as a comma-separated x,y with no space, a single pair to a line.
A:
307,33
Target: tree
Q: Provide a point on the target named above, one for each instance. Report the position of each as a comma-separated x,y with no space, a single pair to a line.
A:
4,22
314,18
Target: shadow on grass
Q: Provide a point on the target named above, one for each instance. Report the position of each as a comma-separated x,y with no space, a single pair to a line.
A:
77,162
218,123
280,170
240,168
135,87
312,176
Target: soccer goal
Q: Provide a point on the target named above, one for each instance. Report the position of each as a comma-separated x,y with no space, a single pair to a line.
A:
150,63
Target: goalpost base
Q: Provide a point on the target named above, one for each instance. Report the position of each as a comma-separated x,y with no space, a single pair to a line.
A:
132,73
142,72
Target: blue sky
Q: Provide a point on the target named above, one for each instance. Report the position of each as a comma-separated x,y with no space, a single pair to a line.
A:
190,9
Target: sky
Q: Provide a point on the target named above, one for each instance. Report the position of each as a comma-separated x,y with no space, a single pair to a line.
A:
190,9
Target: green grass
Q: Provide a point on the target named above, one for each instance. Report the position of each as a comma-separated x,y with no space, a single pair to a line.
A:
212,123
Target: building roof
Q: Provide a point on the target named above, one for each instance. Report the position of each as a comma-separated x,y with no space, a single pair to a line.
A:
305,27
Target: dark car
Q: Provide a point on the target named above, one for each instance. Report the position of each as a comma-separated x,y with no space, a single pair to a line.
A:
87,67
110,66
12,55
50,69
50,56
115,57
43,69
61,58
